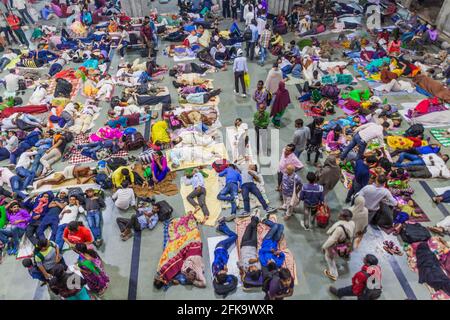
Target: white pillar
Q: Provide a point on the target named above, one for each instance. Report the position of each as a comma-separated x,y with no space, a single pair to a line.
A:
443,18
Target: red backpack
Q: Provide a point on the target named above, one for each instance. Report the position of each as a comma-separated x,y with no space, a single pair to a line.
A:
220,165
322,215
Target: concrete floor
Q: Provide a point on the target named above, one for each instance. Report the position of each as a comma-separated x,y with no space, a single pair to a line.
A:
398,281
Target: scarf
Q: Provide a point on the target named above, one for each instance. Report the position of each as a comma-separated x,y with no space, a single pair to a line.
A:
282,99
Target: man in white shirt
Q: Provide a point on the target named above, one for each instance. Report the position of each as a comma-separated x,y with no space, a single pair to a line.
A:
66,216
124,197
433,166
363,135
12,181
12,83
9,144
23,168
249,15
240,68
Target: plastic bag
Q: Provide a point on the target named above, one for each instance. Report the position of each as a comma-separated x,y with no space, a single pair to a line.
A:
247,80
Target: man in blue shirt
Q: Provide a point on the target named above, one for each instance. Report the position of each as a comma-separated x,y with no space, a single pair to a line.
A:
195,178
269,251
362,176
233,181
219,265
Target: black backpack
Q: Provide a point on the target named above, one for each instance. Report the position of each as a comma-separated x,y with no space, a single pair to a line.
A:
414,233
165,210
103,181
22,84
414,131
248,34
63,88
144,52
78,193
142,89
226,288
68,136
115,163
115,101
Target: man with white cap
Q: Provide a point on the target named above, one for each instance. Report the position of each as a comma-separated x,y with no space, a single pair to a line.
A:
240,68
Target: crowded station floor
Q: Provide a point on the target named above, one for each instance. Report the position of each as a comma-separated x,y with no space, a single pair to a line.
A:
121,263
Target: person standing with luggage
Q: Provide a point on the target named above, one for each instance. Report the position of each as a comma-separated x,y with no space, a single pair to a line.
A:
311,195
240,68
251,44
198,184
7,31
366,283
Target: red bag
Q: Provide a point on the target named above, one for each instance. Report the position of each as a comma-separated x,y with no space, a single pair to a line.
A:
220,165
322,215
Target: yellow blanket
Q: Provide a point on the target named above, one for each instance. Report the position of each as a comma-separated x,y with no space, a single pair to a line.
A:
212,189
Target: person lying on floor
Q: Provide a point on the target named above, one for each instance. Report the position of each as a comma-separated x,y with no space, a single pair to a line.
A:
233,181
191,67
93,205
196,180
125,121
18,219
13,182
221,256
23,121
91,149
146,218
124,197
51,217
430,159
199,98
82,173
249,265
249,175
269,251
67,215
193,138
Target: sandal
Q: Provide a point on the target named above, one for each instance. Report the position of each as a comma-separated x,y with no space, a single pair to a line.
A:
436,230
388,250
396,250
329,275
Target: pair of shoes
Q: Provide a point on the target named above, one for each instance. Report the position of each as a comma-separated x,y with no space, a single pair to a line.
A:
243,95
333,291
391,248
126,236
244,214
98,242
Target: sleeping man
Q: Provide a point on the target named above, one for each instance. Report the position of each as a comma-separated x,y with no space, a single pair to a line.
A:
221,256
196,154
249,265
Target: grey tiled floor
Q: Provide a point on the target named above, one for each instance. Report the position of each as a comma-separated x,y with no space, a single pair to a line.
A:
16,284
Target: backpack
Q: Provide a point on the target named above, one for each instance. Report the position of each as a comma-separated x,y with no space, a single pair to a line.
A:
322,215
165,210
415,130
247,34
344,248
78,193
17,101
330,91
370,294
36,252
226,288
220,165
134,141
414,233
103,181
63,88
22,84
115,101
115,163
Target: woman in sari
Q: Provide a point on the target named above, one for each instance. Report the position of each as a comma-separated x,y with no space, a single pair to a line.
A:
92,268
159,167
282,100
